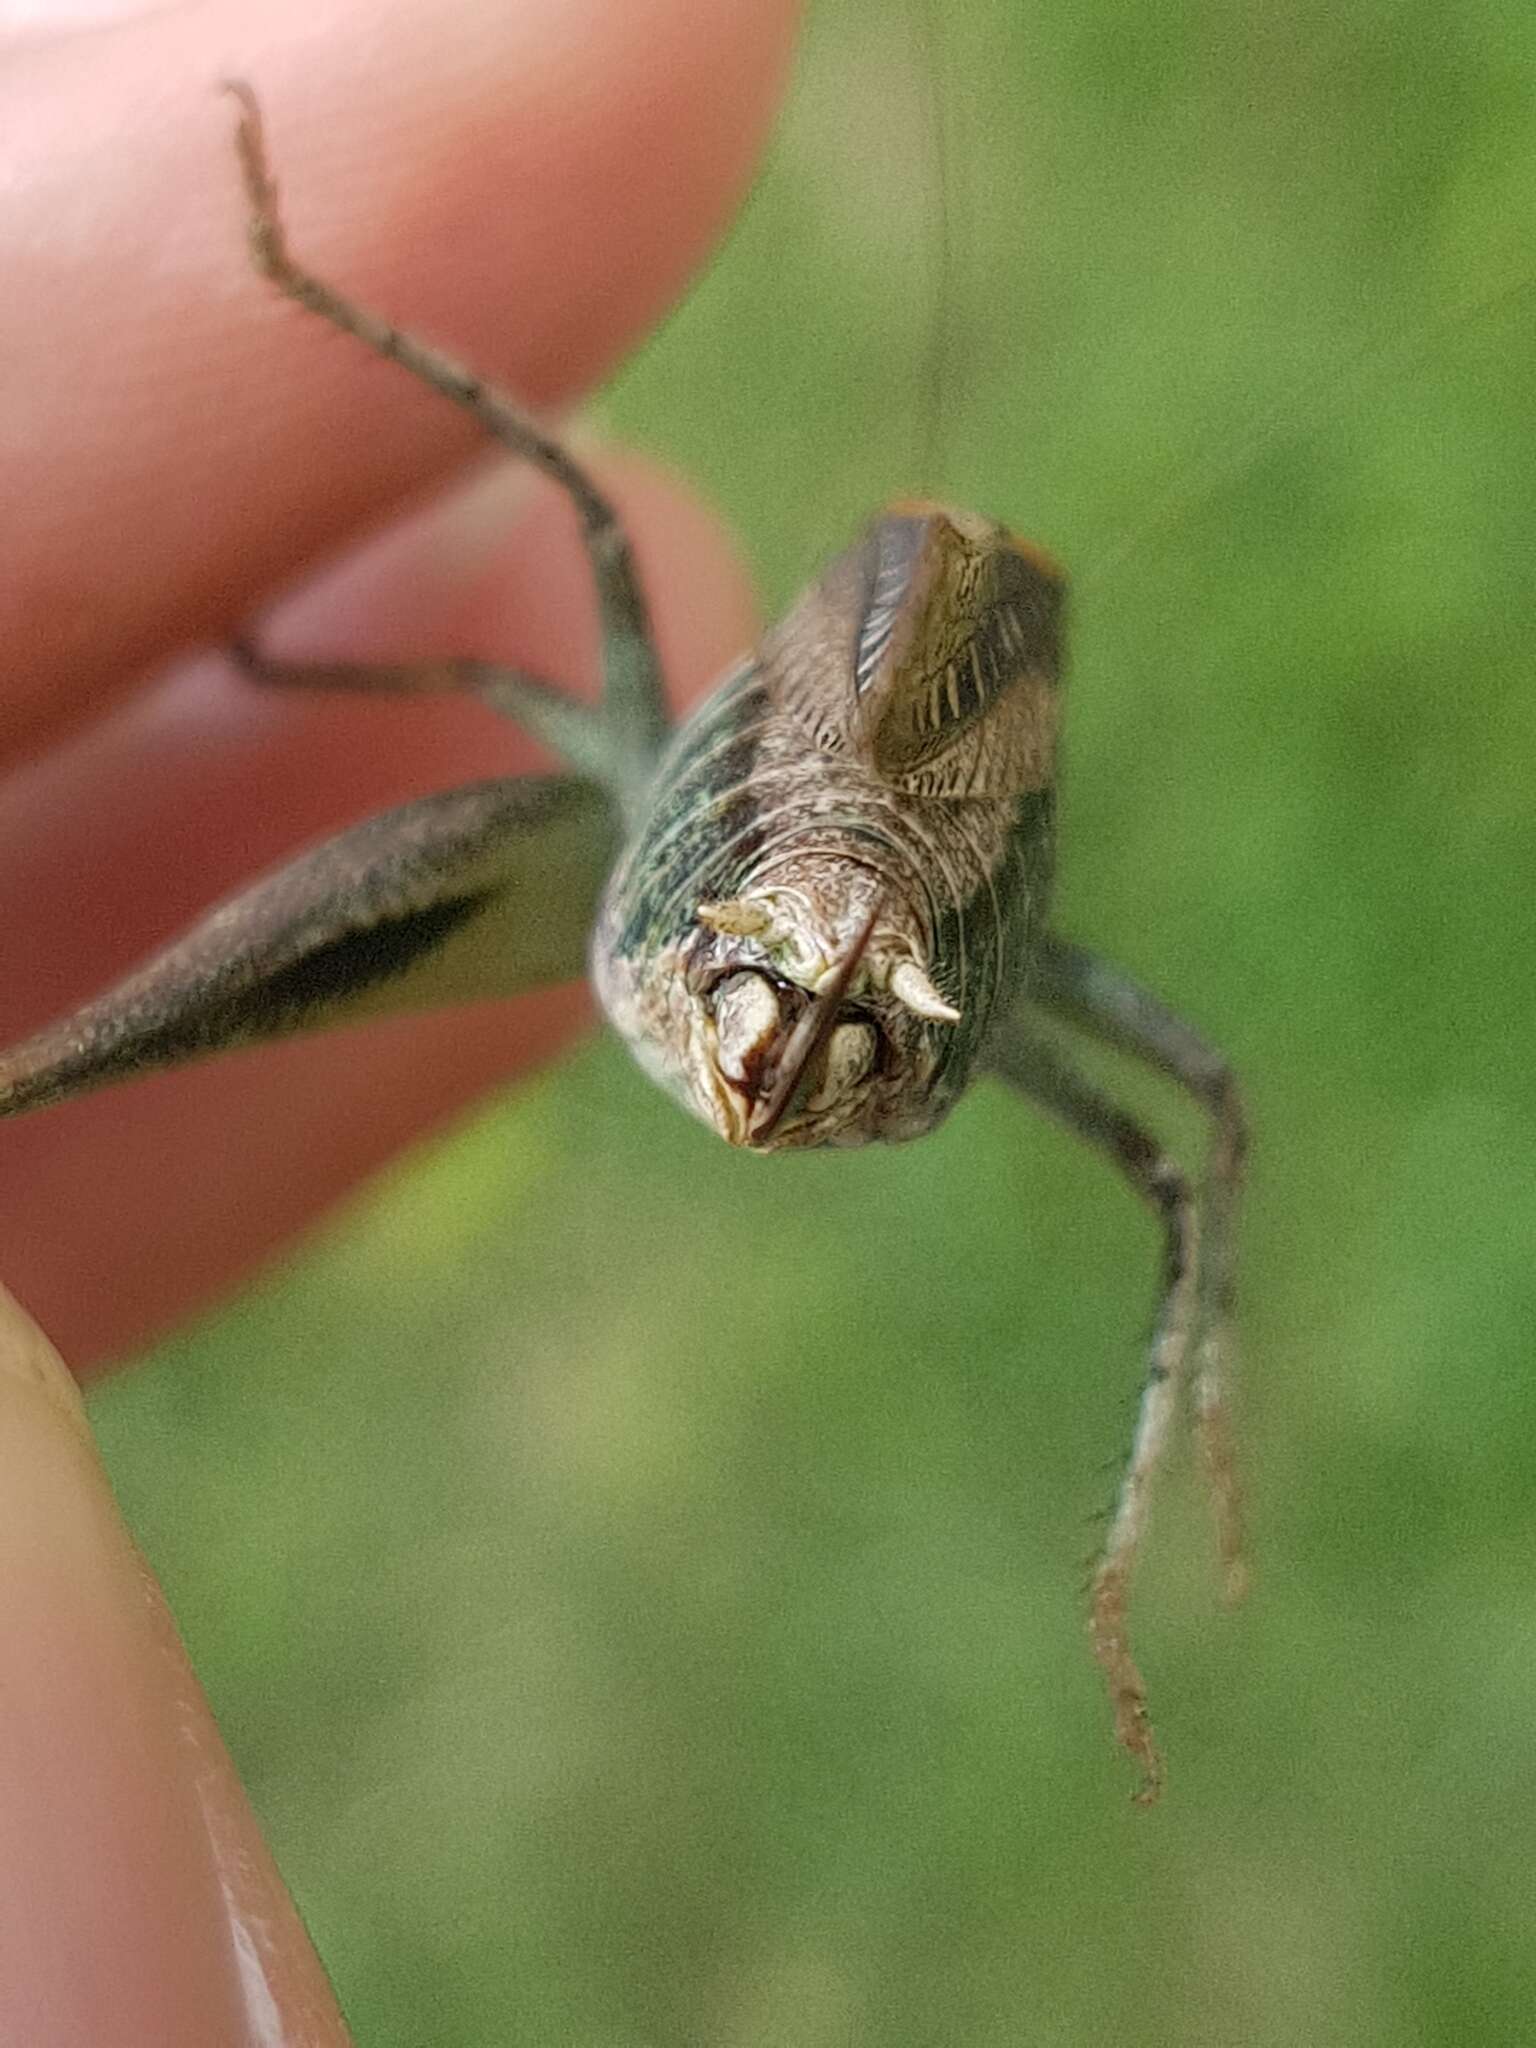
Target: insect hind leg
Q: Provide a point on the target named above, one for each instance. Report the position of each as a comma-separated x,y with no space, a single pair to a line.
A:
633,698
1098,997
1029,1060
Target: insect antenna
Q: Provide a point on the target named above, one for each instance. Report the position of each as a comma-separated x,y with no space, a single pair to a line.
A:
1306,405
936,365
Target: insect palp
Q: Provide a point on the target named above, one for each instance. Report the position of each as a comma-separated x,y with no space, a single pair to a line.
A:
749,1017
740,919
910,984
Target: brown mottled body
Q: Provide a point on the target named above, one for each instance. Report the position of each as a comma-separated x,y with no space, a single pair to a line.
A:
846,774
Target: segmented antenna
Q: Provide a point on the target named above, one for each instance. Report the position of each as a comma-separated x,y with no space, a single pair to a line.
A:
941,255
1298,413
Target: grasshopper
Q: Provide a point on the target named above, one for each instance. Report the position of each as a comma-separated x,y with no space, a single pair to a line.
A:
815,912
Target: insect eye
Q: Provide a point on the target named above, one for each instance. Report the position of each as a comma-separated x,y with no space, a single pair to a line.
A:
850,1057
748,1019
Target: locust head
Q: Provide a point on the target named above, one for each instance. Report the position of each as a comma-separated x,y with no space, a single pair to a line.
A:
787,1029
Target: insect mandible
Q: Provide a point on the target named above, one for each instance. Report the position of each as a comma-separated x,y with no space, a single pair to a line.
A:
815,912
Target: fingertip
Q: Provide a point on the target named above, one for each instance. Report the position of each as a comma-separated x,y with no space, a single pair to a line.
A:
133,1865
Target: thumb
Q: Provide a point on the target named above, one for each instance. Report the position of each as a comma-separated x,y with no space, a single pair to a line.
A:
140,1904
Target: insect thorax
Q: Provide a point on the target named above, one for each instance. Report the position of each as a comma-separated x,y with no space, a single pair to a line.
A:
861,819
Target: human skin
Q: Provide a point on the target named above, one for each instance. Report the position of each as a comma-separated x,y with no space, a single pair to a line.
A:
532,184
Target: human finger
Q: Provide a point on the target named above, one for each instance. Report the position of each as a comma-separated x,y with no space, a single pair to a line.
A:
140,1904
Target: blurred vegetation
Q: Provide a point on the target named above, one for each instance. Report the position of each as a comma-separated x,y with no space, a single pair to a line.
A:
641,1584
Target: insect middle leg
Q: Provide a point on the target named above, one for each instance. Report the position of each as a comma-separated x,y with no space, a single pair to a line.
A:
573,729
1098,997
633,699
1024,1056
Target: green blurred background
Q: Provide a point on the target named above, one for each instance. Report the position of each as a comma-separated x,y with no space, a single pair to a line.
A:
641,1584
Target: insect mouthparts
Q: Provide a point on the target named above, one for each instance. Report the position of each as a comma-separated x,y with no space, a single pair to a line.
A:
808,1037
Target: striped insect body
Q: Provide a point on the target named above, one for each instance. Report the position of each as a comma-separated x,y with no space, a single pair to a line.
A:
847,851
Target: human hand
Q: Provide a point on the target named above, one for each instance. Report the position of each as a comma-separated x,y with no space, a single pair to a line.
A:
531,185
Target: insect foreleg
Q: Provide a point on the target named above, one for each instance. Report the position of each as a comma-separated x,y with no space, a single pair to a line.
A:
564,724
1069,982
1024,1056
633,701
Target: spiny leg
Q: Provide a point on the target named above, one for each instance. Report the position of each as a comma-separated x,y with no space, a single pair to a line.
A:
1071,983
633,698
552,715
479,892
1029,1060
